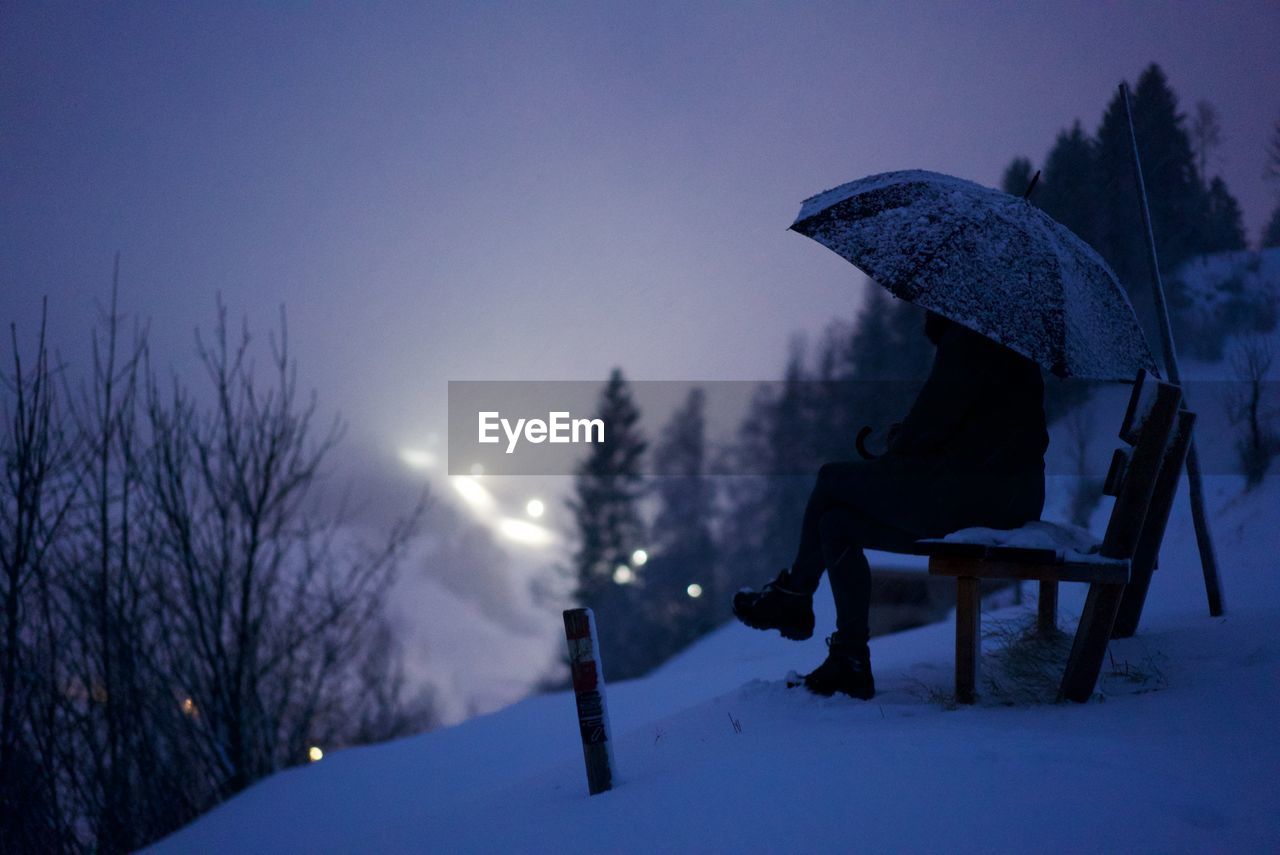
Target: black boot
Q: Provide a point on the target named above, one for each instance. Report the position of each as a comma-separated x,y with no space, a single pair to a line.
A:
776,606
847,669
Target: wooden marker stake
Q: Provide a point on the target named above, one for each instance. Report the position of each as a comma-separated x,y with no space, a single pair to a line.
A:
588,688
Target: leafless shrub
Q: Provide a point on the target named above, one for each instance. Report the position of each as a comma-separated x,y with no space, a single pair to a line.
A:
178,616
35,496
274,606
1026,666
933,693
1144,673
1253,416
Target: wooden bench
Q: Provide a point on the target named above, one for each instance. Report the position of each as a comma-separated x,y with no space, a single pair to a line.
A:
1143,479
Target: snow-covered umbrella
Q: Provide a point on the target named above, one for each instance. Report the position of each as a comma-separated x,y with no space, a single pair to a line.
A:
989,261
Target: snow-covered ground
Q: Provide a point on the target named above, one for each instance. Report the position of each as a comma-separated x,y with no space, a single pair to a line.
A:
1177,752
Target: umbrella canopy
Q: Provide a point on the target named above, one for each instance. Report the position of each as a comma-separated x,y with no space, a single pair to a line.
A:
989,261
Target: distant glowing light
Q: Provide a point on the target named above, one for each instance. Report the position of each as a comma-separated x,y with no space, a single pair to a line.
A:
477,469
188,707
522,531
315,753
694,590
472,493
623,575
416,458
535,508
639,557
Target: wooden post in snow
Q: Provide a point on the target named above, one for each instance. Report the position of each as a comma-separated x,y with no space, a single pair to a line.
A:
1204,540
588,689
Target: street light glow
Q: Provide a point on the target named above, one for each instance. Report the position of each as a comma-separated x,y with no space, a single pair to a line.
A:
523,531
416,458
472,493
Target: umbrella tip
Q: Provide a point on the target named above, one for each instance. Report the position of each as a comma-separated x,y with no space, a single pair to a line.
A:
1032,186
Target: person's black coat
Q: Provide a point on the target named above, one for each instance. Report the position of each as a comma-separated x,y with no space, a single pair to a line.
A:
981,408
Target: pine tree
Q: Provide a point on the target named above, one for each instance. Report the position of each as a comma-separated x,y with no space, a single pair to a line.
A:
1168,163
1206,135
605,506
1271,234
792,460
680,585
1069,191
747,556
775,457
684,493
1119,217
1225,227
1175,195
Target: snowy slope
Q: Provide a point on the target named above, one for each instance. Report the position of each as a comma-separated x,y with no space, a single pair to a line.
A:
1183,759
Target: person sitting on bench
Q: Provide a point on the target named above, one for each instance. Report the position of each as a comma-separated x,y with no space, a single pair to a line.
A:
969,453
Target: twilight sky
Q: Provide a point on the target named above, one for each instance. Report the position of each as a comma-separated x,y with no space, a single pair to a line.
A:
485,191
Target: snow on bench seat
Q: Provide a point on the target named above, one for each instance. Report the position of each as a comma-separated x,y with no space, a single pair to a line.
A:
1064,552
1047,537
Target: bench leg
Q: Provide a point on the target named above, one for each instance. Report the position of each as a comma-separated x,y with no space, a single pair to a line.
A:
1130,611
1090,645
968,638
1047,609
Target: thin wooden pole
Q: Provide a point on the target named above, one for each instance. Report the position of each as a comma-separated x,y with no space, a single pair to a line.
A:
1204,540
588,690
968,638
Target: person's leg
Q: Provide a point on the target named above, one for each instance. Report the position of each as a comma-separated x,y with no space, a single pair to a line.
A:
850,578
808,565
886,496
845,533
879,491
836,483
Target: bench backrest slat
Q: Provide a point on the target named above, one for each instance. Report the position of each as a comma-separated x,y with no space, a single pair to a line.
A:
1153,529
1150,439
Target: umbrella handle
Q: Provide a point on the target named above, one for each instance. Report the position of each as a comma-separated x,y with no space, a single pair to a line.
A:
861,443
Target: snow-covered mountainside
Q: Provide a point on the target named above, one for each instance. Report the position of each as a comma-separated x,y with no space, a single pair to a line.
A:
1177,752
1211,281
